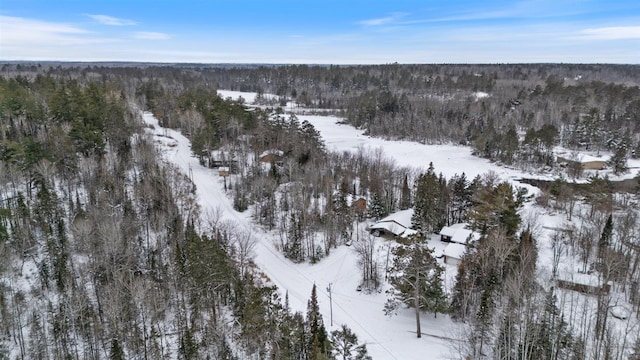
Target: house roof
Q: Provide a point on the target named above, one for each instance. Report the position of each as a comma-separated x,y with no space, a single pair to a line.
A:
451,230
271,152
581,157
389,226
579,278
402,217
459,233
454,250
396,223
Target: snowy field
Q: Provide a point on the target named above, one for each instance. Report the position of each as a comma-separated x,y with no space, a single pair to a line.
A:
447,159
386,337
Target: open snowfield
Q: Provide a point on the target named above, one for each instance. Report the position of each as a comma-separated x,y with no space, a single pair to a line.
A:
447,159
386,337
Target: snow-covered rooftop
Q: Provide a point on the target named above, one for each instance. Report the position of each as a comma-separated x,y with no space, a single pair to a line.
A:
455,250
402,217
581,156
396,223
451,230
459,233
272,151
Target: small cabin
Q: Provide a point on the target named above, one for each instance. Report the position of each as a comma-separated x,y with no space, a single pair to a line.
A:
458,233
585,162
359,205
453,253
272,156
586,283
584,288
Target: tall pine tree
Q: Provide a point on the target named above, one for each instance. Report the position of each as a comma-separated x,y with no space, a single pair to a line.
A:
405,199
430,202
318,344
416,278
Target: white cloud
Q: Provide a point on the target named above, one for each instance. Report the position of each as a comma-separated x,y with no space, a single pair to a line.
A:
149,35
22,38
383,21
27,32
12,25
611,33
110,20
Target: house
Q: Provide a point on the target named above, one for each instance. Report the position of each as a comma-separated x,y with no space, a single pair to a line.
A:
453,252
588,284
586,162
458,233
393,225
272,156
359,205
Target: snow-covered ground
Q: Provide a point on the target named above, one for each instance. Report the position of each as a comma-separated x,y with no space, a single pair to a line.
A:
447,159
386,337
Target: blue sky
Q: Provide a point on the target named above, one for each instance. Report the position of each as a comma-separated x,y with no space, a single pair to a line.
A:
322,32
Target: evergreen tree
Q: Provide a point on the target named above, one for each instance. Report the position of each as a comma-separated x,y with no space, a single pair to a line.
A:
497,206
509,145
416,278
318,344
188,345
443,203
605,238
618,161
343,212
553,338
377,210
461,292
293,248
311,137
345,345
405,199
430,203
483,324
116,352
291,344
461,198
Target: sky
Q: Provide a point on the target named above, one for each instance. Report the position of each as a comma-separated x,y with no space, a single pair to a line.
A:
322,32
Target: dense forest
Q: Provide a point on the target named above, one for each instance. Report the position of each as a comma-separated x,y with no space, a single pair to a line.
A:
107,254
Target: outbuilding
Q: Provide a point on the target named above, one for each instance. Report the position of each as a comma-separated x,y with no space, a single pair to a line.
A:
453,253
458,233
